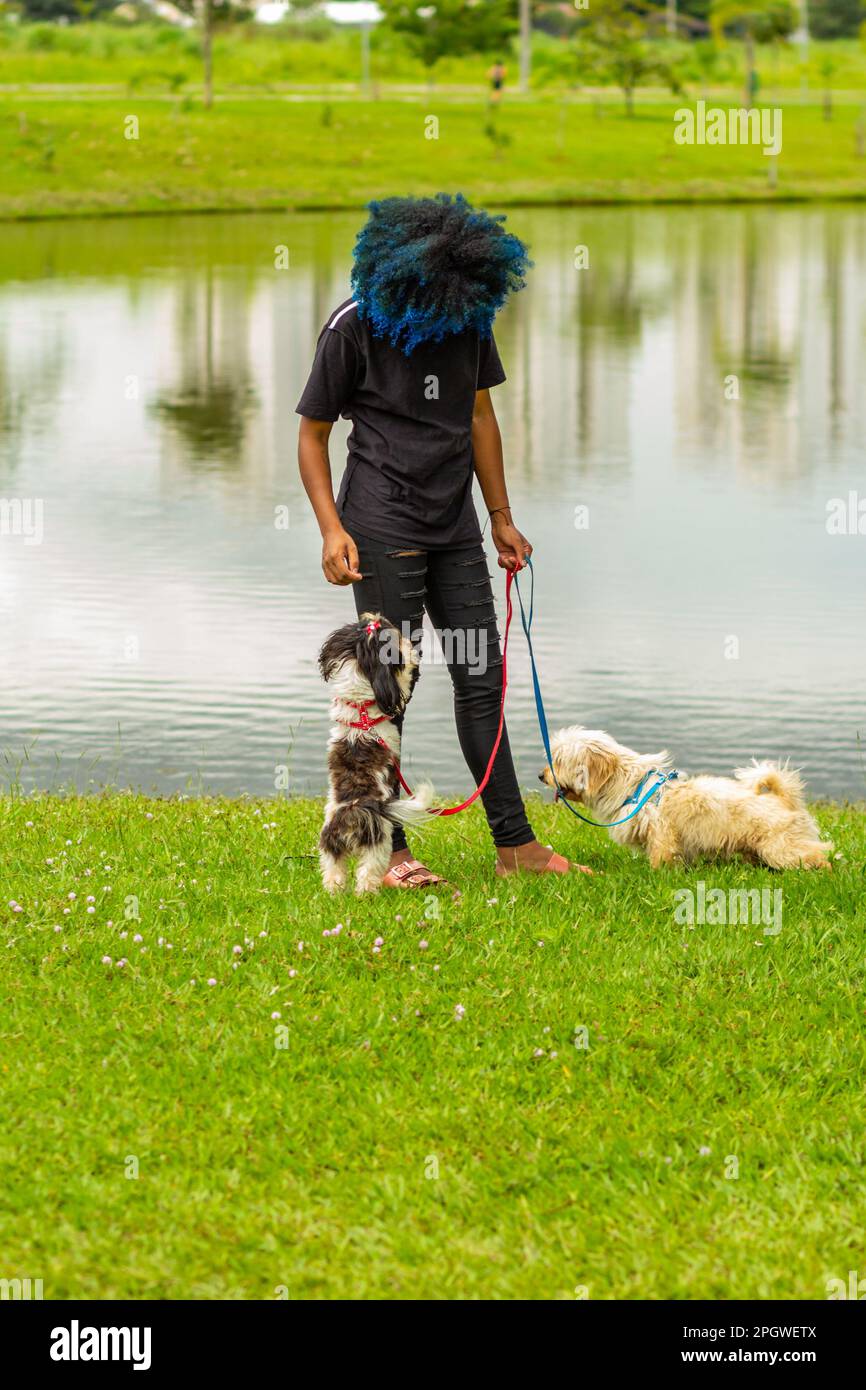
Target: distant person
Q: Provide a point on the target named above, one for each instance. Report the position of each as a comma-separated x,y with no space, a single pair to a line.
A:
410,359
496,78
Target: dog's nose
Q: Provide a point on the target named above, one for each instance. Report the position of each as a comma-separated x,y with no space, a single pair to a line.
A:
541,776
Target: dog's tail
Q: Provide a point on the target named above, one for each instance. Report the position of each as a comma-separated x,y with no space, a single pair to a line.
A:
412,810
781,780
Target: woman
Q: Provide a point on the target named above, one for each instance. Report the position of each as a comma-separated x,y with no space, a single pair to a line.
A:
411,360
496,78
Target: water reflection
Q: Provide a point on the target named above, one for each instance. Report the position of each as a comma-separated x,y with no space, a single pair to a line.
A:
209,405
696,388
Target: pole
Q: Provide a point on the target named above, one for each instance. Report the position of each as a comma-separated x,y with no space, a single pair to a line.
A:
525,44
804,45
365,57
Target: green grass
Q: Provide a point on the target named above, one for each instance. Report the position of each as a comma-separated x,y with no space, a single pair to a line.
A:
311,1166
71,156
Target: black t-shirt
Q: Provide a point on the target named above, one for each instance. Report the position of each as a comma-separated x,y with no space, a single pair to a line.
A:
409,474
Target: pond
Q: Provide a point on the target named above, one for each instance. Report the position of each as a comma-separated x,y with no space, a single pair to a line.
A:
684,424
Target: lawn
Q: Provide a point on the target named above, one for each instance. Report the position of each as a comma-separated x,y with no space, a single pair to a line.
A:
252,1108
72,156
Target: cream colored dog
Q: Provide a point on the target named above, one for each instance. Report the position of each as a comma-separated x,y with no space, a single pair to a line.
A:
760,813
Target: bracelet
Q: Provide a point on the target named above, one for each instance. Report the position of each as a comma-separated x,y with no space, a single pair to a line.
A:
499,509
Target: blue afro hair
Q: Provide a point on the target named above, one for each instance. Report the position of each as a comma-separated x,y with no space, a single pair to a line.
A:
426,268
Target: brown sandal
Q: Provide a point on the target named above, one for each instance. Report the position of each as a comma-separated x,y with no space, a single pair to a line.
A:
410,873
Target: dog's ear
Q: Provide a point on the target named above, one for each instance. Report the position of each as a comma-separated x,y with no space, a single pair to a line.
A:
599,766
339,648
380,660
577,780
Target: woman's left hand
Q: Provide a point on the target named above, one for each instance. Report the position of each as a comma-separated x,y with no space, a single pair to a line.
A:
512,546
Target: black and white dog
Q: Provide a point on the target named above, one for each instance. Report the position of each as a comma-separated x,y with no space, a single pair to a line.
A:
371,671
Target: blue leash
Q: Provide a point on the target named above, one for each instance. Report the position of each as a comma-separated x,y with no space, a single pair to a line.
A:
641,800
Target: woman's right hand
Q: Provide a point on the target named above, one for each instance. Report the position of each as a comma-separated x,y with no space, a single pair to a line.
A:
340,558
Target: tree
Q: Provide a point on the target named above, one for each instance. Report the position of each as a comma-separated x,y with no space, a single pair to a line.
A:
73,10
447,27
613,46
836,19
209,15
755,22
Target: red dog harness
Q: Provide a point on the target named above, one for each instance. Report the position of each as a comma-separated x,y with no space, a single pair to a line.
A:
365,723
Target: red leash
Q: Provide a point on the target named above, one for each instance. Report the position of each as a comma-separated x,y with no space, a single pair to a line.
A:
366,723
453,810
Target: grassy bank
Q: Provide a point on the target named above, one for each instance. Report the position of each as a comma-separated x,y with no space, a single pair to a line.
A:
162,1137
65,157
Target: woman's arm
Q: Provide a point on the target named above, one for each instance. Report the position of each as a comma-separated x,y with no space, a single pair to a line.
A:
512,546
339,552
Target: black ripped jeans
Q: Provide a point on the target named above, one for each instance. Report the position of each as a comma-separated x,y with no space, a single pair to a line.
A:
454,587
